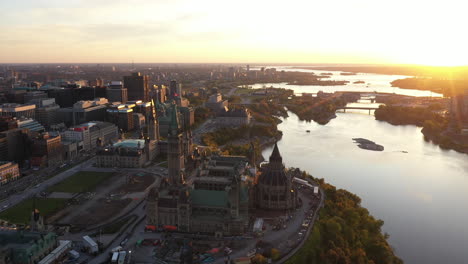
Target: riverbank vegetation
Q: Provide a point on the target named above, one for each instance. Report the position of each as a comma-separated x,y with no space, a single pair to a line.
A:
266,111
262,132
435,127
319,82
227,135
201,115
292,78
318,109
346,233
446,87
438,72
402,115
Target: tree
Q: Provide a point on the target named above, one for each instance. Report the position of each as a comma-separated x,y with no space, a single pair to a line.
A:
259,259
275,254
8,177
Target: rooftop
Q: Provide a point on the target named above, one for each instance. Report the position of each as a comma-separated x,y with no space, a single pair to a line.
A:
131,143
209,198
19,238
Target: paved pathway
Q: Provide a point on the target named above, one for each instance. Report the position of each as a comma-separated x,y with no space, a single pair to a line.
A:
36,190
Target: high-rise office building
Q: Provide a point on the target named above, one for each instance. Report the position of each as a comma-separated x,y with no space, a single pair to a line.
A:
116,92
47,111
121,116
17,144
84,111
174,90
137,87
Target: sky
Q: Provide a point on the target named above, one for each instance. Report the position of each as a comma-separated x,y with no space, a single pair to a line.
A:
243,31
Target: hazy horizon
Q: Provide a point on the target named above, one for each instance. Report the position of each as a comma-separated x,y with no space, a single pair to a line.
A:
255,32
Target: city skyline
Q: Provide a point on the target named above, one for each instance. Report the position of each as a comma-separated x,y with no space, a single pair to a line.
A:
361,32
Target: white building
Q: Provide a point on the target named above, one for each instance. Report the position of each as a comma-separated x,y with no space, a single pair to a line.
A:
88,134
18,110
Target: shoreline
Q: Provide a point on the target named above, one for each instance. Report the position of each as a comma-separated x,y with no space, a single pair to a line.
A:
434,127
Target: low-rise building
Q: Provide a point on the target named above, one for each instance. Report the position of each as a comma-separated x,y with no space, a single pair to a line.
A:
34,95
18,110
215,102
234,117
84,111
32,125
47,150
9,171
19,247
130,153
70,150
59,254
92,134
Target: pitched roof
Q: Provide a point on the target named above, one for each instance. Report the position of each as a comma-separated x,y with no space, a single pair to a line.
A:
275,155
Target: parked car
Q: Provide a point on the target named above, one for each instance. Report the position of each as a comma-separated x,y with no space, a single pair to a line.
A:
124,242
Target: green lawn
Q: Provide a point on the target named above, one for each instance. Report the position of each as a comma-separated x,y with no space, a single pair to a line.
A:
83,181
21,213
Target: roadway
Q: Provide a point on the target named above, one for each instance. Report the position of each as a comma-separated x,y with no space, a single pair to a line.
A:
132,232
281,238
16,198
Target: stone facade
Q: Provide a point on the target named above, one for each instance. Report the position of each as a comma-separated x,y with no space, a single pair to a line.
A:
127,154
274,189
234,117
9,171
215,203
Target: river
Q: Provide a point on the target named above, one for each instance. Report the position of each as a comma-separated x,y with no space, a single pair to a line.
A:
372,83
420,194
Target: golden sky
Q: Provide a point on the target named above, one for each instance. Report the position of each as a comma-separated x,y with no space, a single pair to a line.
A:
245,31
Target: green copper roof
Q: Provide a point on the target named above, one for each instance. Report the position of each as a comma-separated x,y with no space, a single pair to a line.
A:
131,143
209,198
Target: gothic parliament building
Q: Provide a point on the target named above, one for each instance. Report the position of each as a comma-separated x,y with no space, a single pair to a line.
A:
213,194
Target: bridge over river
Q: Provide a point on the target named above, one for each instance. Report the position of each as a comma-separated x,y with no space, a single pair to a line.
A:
363,107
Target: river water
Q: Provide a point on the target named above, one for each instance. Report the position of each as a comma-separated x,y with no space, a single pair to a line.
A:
420,195
372,83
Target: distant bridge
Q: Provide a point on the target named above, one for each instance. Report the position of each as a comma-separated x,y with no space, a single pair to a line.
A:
370,108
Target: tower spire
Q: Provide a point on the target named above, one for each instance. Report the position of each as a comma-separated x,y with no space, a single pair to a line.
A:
175,150
174,126
275,155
